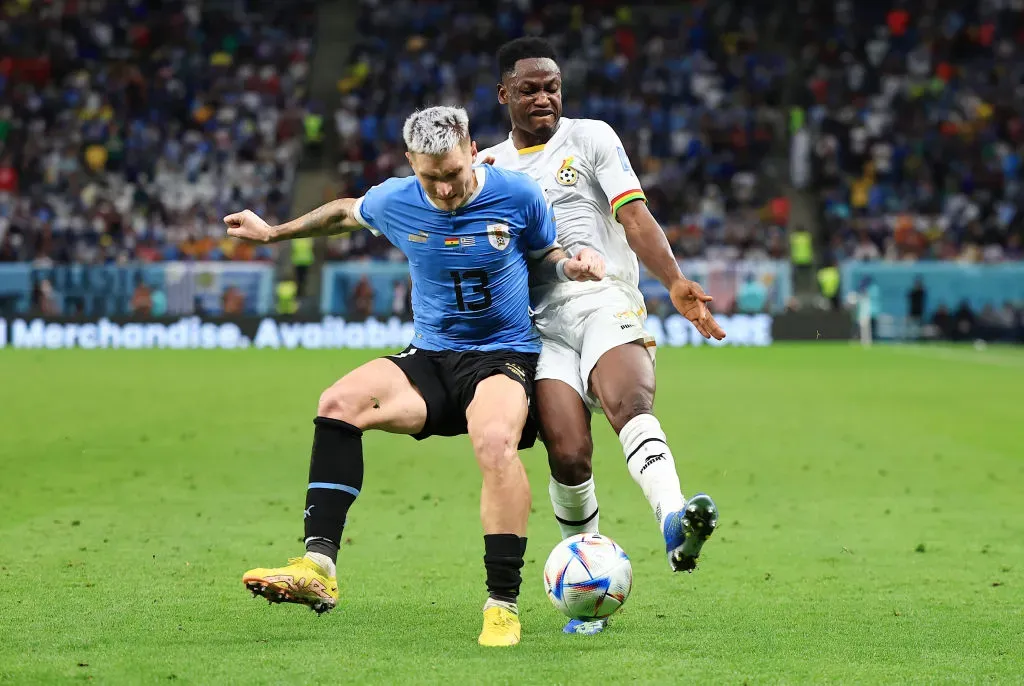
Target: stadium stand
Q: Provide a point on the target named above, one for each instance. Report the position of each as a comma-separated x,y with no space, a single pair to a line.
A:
128,129
694,92
915,109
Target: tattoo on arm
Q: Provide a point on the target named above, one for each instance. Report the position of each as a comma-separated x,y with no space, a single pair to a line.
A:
325,220
330,219
543,267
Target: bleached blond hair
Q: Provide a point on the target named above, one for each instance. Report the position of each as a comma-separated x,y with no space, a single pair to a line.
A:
436,130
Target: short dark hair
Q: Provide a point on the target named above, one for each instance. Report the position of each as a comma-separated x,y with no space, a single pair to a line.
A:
525,48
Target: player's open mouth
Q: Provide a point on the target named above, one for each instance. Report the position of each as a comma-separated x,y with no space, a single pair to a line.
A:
542,113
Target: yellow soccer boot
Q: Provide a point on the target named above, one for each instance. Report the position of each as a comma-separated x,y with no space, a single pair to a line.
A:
501,624
302,581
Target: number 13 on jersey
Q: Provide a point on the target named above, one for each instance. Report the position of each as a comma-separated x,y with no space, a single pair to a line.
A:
476,281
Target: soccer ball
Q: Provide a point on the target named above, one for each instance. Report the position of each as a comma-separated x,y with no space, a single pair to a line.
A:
588,576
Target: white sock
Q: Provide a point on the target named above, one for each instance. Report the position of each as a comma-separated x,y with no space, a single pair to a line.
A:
575,507
491,602
325,563
651,465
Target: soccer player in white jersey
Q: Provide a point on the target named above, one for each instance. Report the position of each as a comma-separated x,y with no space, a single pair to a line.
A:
596,354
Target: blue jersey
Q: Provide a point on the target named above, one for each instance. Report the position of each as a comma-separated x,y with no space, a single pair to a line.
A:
470,286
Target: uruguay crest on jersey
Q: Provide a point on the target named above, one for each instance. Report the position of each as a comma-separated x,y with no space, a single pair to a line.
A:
466,295
498,236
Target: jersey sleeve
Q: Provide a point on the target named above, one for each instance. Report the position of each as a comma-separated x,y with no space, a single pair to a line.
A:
370,210
612,168
539,234
485,153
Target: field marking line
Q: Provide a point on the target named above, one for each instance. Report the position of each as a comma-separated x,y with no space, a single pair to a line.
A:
984,357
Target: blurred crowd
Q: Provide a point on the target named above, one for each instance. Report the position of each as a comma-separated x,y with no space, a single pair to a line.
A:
129,128
915,109
693,90
1002,324
931,318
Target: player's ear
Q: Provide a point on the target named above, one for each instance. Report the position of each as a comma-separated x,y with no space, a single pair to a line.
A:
473,149
408,156
502,94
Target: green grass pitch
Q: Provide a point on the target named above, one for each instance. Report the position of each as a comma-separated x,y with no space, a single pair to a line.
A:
872,526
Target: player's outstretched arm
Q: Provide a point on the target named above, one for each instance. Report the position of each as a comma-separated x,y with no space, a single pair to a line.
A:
333,218
648,241
556,265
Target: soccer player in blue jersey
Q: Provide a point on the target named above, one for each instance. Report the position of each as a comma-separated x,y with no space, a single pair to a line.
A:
470,234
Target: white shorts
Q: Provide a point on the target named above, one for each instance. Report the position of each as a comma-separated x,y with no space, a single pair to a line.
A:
576,332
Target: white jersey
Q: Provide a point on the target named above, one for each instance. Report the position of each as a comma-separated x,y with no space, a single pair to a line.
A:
587,177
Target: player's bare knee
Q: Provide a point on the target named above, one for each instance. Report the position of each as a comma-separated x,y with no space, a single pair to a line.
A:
622,408
495,446
344,403
570,459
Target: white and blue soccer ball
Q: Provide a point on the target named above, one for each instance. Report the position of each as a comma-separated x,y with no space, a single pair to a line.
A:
588,576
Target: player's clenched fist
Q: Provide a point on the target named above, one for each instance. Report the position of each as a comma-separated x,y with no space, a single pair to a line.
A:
586,265
248,226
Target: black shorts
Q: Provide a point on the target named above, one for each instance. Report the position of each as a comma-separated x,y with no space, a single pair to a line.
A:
447,380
